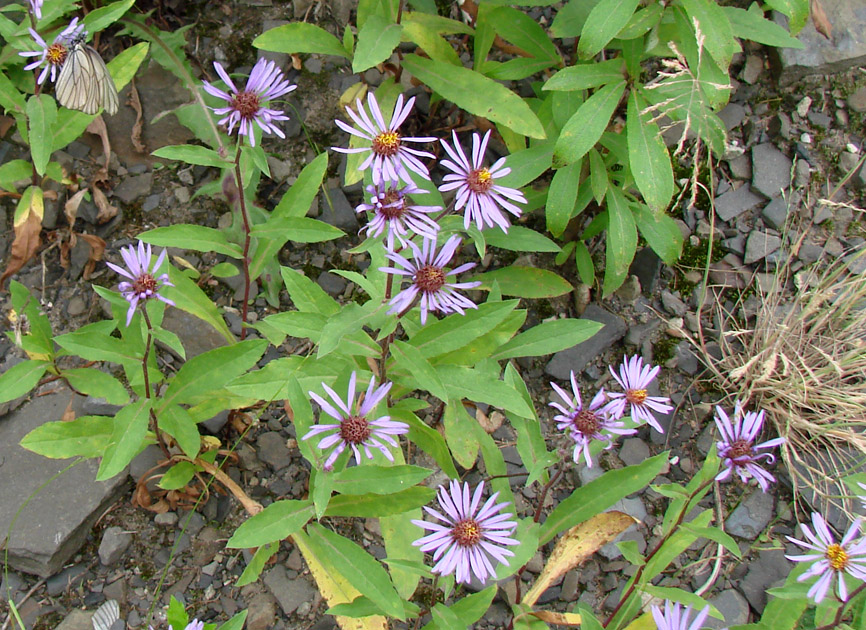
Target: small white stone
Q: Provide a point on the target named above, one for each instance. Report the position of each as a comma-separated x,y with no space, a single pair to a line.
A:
852,148
803,106
805,138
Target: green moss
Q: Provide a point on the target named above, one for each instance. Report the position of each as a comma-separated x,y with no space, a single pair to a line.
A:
663,349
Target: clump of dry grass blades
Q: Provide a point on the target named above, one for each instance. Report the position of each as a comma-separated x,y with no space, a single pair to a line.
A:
802,358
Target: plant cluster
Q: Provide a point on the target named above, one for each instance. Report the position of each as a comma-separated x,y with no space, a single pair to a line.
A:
425,345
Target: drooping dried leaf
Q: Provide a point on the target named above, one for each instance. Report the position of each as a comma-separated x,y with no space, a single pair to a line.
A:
135,102
6,123
27,225
70,208
68,413
106,211
576,546
97,127
820,19
97,250
560,619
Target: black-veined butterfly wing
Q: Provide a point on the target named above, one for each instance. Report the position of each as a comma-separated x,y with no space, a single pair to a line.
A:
84,83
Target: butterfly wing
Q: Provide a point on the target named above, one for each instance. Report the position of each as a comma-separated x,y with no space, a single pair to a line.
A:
84,83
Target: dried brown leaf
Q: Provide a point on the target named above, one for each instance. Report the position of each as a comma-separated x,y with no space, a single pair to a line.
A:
68,413
559,619
70,208
820,19
6,123
28,225
97,250
97,127
135,102
106,211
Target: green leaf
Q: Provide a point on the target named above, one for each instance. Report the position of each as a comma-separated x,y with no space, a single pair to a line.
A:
468,609
306,295
796,10
10,98
127,438
660,231
480,386
276,522
476,94
621,241
527,165
179,424
525,282
95,343
427,439
103,17
598,179
521,30
376,505
300,37
436,23
716,29
562,196
570,19
445,618
363,572
21,378
527,533
374,479
254,568
456,331
87,436
643,21
177,476
585,76
753,26
410,361
426,37
648,156
14,171
603,23
41,118
224,270
188,296
297,230
98,384
459,434
585,127
600,494
548,337
399,533
520,239
377,39
192,154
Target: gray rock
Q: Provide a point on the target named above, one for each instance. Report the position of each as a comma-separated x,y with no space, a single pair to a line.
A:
752,69
848,161
857,99
820,119
577,357
802,173
114,543
768,568
196,336
145,462
273,451
735,202
332,284
646,266
771,170
214,425
131,188
77,620
166,519
820,56
337,211
55,523
289,593
751,516
733,607
151,202
759,245
741,167
67,578
12,586
633,451
776,213
687,361
630,290
732,115
261,612
735,244
809,252
673,304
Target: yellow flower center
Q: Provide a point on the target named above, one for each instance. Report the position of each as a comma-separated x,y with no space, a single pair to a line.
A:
837,556
387,143
466,533
56,54
430,278
480,180
636,396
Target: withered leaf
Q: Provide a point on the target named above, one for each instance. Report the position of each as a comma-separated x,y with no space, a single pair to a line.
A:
27,225
820,19
106,210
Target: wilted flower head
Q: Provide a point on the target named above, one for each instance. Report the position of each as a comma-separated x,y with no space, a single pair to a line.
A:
469,536
832,559
266,82
389,156
54,55
429,278
737,447
352,428
675,617
635,377
476,187
392,208
583,423
144,283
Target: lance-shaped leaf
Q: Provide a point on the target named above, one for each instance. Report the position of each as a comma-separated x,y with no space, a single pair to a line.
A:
300,37
585,127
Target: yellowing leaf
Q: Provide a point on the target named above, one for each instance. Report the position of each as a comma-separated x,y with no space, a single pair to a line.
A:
560,619
576,546
27,225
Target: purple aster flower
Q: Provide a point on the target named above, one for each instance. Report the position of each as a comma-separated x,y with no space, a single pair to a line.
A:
389,156
429,278
36,8
634,377
195,624
476,187
586,423
266,82
676,618
392,208
52,56
353,429
832,559
470,537
737,447
144,283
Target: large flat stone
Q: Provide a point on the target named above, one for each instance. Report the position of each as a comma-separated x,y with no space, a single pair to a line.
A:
55,523
819,55
577,357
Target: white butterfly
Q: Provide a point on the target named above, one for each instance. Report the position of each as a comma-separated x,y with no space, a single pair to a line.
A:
107,617
85,83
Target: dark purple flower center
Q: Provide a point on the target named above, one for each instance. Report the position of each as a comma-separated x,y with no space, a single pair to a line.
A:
739,449
586,422
480,180
466,533
836,556
386,143
145,284
355,429
430,278
393,205
246,104
56,54
635,396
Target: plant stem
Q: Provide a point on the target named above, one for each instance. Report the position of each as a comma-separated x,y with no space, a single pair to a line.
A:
147,394
246,260
841,610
